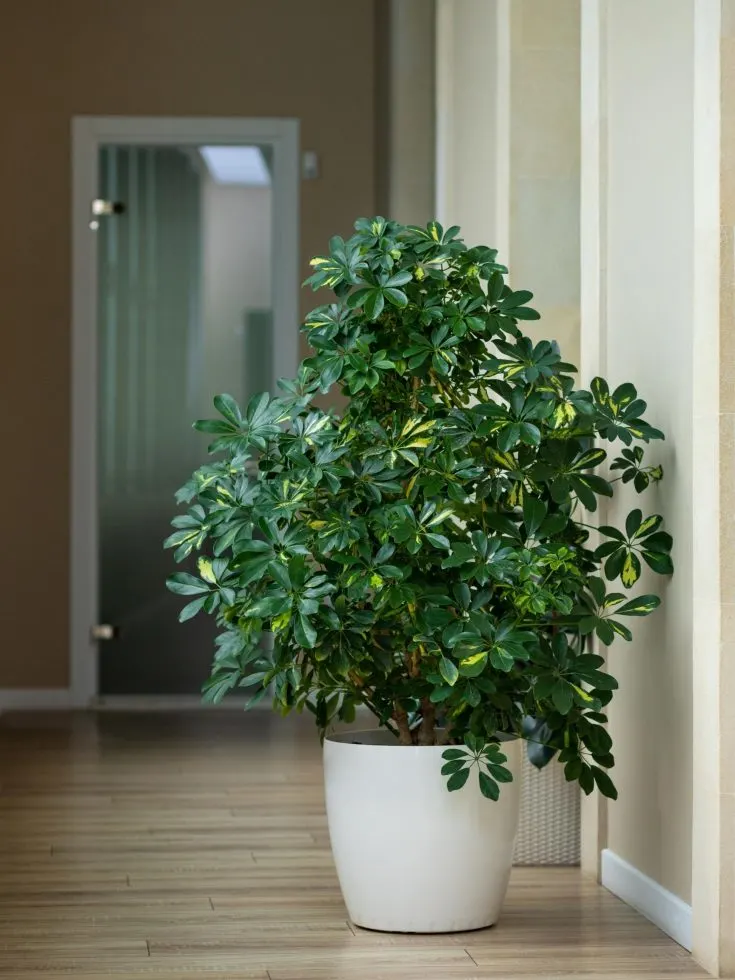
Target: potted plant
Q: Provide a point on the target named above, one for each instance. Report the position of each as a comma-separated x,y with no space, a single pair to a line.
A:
425,556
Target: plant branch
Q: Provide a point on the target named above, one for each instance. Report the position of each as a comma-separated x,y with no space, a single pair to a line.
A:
427,731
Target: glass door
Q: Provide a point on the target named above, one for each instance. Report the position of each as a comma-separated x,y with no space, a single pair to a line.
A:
185,301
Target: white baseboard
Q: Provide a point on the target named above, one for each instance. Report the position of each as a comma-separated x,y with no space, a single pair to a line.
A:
62,699
35,699
168,702
669,912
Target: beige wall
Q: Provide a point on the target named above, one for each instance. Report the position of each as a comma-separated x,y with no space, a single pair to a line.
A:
650,264
142,57
649,325
544,165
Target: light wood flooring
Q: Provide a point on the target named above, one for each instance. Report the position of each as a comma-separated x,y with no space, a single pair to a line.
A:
195,846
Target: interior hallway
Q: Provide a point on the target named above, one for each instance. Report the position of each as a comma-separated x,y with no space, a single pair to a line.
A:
195,846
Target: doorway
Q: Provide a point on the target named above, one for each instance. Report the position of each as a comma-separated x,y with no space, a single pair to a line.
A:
185,285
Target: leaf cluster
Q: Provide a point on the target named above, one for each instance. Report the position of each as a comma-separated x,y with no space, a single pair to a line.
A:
425,554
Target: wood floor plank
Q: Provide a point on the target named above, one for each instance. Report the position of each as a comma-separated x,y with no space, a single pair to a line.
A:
195,846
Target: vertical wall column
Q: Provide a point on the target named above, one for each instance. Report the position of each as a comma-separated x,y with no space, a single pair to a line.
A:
473,119
508,168
650,225
727,489
508,144
411,111
544,164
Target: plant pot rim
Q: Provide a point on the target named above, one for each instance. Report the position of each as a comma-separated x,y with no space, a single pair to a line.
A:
382,738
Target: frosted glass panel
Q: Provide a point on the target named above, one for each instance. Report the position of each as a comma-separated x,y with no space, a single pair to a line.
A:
184,312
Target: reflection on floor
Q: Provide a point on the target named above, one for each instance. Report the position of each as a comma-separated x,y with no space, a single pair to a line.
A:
195,846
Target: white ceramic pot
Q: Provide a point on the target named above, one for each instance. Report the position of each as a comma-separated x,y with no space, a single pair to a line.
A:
410,855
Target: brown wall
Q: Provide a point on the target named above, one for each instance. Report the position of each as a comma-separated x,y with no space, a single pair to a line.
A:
314,61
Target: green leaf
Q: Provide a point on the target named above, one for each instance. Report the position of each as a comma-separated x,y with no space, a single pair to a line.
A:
461,553
191,609
454,766
611,532
605,631
641,606
457,780
586,780
534,512
573,769
396,296
440,694
214,426
227,406
488,786
633,522
182,583
604,783
563,697
662,564
454,754
500,773
620,629
374,304
475,743
280,573
509,436
501,658
660,542
448,670
304,632
614,564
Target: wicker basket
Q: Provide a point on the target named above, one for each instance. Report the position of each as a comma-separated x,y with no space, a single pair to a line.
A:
549,829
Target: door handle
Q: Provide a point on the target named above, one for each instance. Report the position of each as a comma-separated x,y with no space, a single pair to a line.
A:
103,631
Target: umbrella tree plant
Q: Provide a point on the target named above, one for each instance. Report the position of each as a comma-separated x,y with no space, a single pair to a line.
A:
427,553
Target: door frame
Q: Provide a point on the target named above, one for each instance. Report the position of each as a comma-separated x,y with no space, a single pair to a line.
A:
89,134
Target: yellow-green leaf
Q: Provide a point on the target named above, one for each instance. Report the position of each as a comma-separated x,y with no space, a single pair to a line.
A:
564,412
205,569
448,670
583,694
515,498
631,570
474,665
416,425
647,525
504,459
441,516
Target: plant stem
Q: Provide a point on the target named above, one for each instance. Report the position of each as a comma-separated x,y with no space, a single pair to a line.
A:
415,388
401,719
427,731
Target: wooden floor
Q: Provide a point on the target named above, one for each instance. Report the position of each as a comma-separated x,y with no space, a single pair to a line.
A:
194,846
